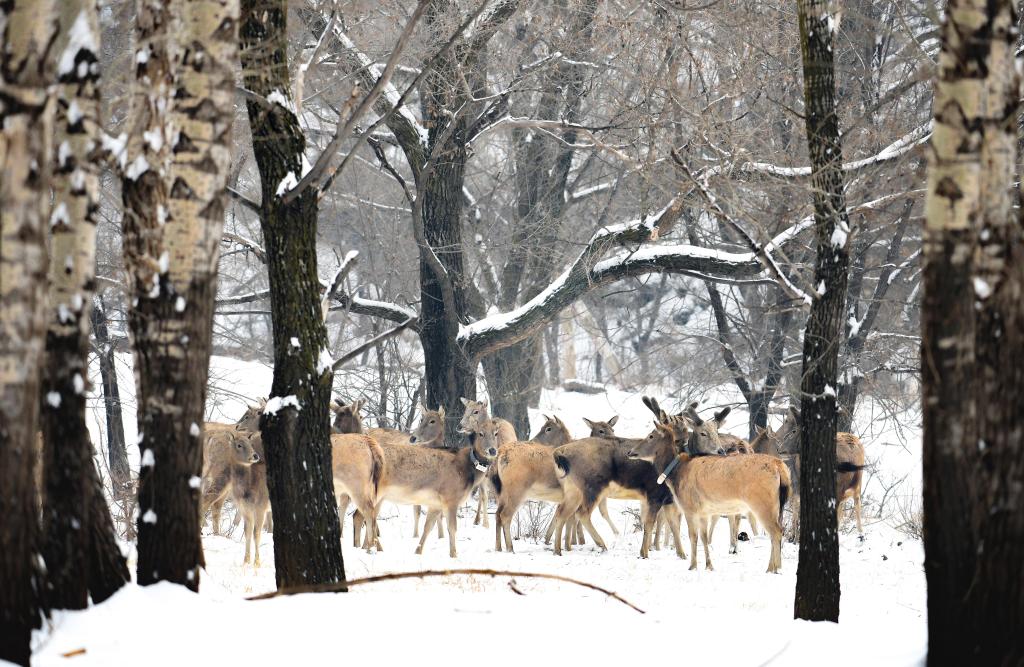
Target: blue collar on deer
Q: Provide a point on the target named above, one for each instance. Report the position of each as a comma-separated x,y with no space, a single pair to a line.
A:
668,470
476,462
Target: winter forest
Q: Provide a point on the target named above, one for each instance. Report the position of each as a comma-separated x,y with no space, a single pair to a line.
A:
608,330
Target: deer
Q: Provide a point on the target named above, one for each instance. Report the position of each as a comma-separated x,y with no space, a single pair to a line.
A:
850,460
525,471
348,420
702,486
438,478
476,413
249,422
232,465
588,468
357,465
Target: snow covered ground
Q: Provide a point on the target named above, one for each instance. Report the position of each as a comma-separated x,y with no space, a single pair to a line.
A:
734,615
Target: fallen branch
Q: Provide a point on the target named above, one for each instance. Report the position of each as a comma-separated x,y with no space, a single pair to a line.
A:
373,342
422,574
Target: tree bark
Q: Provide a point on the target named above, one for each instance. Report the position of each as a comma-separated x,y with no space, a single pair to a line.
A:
27,32
173,194
69,471
307,535
971,357
817,583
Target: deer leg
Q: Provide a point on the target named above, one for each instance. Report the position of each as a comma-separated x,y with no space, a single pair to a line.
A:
566,510
343,501
577,531
440,529
647,518
752,520
672,518
711,525
603,508
691,528
453,517
428,526
550,530
257,531
269,522
734,532
706,538
658,523
215,510
415,520
357,527
248,537
589,525
857,509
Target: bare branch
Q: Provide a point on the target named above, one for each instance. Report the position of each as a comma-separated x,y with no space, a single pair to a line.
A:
373,342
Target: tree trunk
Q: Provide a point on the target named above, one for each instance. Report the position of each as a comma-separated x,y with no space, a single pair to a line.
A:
307,535
513,382
117,451
817,582
971,358
107,569
174,207
27,31
67,449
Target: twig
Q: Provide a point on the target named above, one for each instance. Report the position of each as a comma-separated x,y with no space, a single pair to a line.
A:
339,277
373,342
422,574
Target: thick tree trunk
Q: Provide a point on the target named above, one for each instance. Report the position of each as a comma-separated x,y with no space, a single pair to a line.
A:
68,466
971,358
817,582
173,198
27,32
117,451
307,535
107,569
513,382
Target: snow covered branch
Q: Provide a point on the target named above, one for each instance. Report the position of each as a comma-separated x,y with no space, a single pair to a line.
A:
897,149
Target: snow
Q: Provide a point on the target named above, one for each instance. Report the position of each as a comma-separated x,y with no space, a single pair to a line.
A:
193,430
294,342
53,399
137,168
179,304
149,517
75,114
154,138
855,326
195,481
81,37
60,215
78,383
839,235
982,288
277,97
165,262
325,362
278,402
287,183
148,460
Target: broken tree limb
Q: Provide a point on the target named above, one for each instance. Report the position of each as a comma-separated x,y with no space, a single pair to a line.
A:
423,574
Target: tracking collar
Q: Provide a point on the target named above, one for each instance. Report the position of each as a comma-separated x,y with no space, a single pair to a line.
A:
668,470
476,462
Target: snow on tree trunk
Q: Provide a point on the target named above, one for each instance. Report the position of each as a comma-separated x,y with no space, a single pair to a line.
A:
27,32
971,361
69,472
817,583
307,534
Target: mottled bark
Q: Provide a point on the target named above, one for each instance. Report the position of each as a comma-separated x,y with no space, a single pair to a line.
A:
27,33
69,471
307,535
817,582
173,188
972,347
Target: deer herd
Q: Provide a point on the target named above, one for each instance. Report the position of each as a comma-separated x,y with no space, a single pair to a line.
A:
684,468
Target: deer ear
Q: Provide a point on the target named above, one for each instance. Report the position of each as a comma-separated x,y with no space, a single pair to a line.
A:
611,422
334,406
357,405
720,416
588,422
465,401
262,403
440,412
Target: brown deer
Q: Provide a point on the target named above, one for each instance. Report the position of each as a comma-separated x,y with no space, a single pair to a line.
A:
358,465
850,460
438,478
232,465
429,433
703,486
249,422
475,414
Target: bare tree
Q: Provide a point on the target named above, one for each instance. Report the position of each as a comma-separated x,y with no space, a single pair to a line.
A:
817,584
